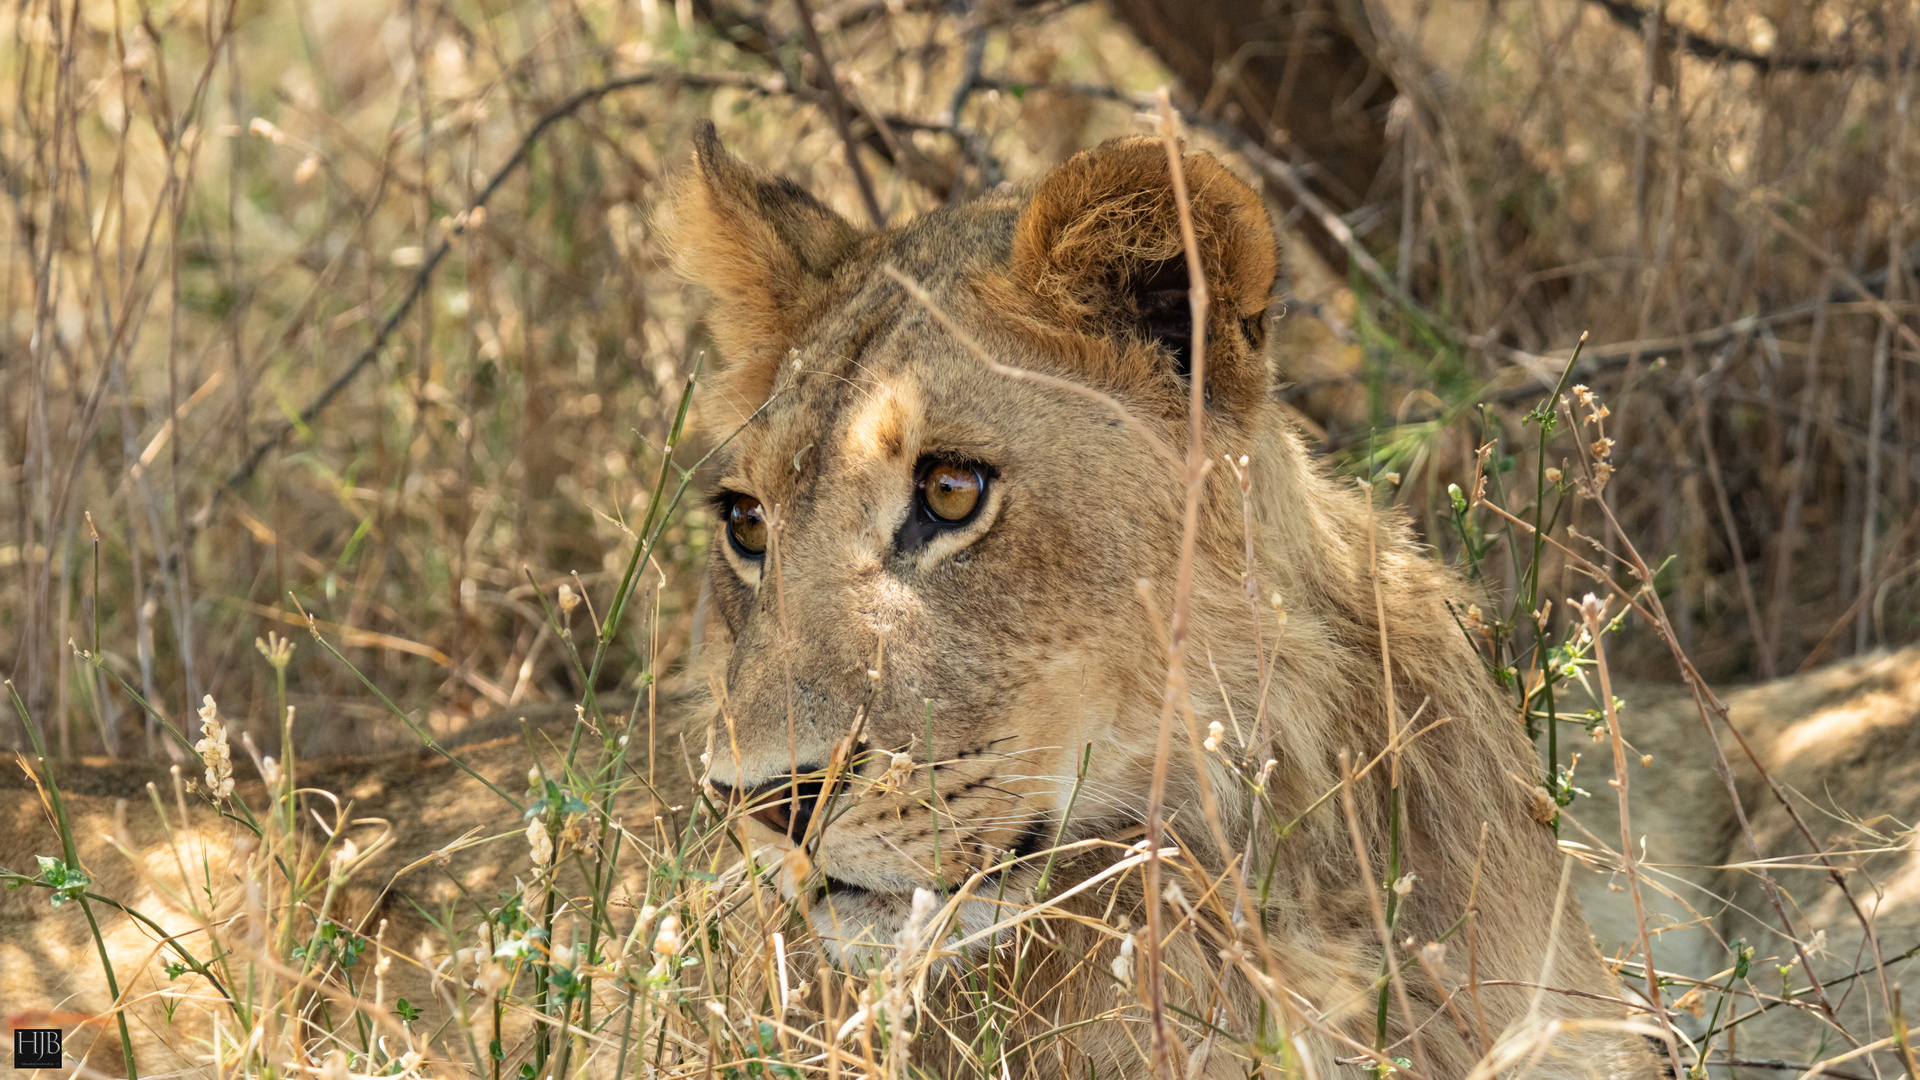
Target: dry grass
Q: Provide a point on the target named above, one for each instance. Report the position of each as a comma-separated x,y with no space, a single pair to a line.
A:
1724,234
350,317
215,210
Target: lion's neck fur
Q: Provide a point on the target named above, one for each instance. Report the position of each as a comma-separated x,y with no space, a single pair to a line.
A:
1355,584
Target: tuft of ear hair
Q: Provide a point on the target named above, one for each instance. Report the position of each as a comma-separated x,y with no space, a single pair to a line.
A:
1099,248
763,246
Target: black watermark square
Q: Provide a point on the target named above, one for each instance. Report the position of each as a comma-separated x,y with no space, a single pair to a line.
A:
36,1048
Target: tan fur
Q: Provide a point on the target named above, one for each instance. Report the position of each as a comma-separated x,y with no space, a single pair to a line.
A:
1024,637
1844,744
769,264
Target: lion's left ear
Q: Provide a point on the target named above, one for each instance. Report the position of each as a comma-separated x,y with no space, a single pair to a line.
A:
1099,248
763,246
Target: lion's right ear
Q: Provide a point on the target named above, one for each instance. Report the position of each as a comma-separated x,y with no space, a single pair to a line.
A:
1099,252
763,246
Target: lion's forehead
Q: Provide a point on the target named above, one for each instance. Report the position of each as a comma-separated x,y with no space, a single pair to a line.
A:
845,421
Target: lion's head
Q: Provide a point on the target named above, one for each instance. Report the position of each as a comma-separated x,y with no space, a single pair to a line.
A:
947,549
952,525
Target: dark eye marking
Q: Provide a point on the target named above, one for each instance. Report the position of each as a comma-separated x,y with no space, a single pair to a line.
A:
948,494
746,523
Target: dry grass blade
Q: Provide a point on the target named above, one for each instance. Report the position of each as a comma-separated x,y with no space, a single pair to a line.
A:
1174,695
1592,616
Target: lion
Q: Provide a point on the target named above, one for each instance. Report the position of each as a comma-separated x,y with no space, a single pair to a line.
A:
968,558
912,583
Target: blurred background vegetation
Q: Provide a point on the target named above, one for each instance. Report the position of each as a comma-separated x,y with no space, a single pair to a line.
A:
359,302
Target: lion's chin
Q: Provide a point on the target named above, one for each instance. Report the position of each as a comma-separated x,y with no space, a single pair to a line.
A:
858,927
861,928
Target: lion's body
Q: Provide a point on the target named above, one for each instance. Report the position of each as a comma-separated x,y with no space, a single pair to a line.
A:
1843,744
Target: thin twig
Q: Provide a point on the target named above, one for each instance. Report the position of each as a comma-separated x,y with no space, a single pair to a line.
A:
837,99
1593,611
1762,645
1877,399
1802,459
968,342
1174,694
1634,17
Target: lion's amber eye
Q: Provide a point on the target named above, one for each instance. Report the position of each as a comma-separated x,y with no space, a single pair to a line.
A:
747,526
952,492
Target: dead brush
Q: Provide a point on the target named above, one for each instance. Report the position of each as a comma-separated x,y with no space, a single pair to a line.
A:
1581,654
395,342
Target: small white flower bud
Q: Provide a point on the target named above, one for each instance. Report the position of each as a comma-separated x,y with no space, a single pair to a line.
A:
539,843
666,940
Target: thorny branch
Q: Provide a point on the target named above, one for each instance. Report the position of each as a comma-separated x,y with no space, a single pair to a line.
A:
837,99
459,226
1634,17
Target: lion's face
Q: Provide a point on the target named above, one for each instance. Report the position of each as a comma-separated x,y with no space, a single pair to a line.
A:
940,560
939,564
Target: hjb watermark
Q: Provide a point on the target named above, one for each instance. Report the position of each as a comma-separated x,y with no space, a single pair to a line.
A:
36,1048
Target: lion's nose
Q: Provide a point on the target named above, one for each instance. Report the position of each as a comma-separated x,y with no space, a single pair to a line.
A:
783,805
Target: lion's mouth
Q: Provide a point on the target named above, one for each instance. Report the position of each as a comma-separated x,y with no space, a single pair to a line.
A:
833,886
1031,842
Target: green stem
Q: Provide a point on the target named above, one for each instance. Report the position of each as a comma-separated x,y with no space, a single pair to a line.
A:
1544,416
1046,874
72,853
426,738
933,800
1393,912
610,630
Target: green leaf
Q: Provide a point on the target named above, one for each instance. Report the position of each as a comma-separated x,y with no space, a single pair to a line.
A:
344,944
405,1011
68,882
